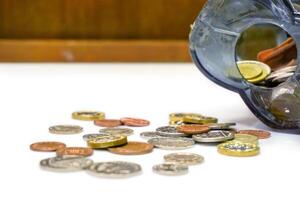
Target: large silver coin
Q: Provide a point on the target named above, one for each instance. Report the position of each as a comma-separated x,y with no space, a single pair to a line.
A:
91,136
115,169
172,143
214,136
117,131
169,131
170,169
221,126
65,129
184,158
66,163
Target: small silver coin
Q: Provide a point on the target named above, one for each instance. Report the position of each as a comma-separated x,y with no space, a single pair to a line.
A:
221,126
169,131
170,169
91,136
117,131
65,129
172,143
214,136
150,134
115,169
184,158
66,163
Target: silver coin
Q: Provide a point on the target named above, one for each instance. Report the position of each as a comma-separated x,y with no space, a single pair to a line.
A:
115,169
172,143
65,129
221,126
91,136
214,136
184,158
117,131
150,134
66,163
169,131
282,77
170,169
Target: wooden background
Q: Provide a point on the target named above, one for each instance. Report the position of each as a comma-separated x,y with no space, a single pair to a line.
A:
96,30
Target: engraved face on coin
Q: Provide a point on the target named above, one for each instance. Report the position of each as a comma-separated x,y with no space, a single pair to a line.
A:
106,141
169,131
184,158
76,151
115,169
46,146
88,115
132,148
172,143
246,138
170,169
239,149
66,163
65,129
214,136
90,136
135,122
117,131
150,134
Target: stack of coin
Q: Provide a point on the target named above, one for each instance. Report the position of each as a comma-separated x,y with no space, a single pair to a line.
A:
281,75
254,71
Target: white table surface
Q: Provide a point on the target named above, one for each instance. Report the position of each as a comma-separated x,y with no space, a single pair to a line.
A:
35,96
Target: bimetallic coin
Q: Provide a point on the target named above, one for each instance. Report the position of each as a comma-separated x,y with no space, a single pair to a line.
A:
106,141
65,129
221,126
46,146
246,138
239,149
115,169
214,136
170,169
135,122
132,148
193,129
76,151
258,133
66,163
90,136
108,122
169,131
88,115
184,158
199,120
117,131
172,143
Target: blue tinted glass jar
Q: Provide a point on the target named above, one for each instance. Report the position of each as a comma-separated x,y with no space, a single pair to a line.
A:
213,42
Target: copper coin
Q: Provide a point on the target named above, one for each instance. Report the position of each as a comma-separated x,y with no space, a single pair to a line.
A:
258,133
132,148
76,151
108,122
134,122
46,146
193,129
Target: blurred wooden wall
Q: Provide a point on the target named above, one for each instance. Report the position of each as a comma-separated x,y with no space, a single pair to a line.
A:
96,30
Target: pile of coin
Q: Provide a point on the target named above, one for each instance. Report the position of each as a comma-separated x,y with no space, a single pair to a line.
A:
189,129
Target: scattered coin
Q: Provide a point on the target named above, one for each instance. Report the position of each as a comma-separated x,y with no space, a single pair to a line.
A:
170,169
199,120
76,151
115,169
106,141
258,133
178,117
184,158
135,122
172,143
108,122
46,146
246,138
169,131
66,163
132,148
117,131
90,136
239,149
221,126
88,115
65,129
150,134
214,136
193,129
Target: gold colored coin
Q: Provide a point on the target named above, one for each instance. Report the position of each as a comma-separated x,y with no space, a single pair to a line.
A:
177,117
266,70
106,141
250,71
246,138
238,149
88,115
200,120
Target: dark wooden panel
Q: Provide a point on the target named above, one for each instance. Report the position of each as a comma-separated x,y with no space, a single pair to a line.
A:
94,51
97,19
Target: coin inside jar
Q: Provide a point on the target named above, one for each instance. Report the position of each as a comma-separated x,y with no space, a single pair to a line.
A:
184,158
48,146
214,136
132,148
170,169
65,129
